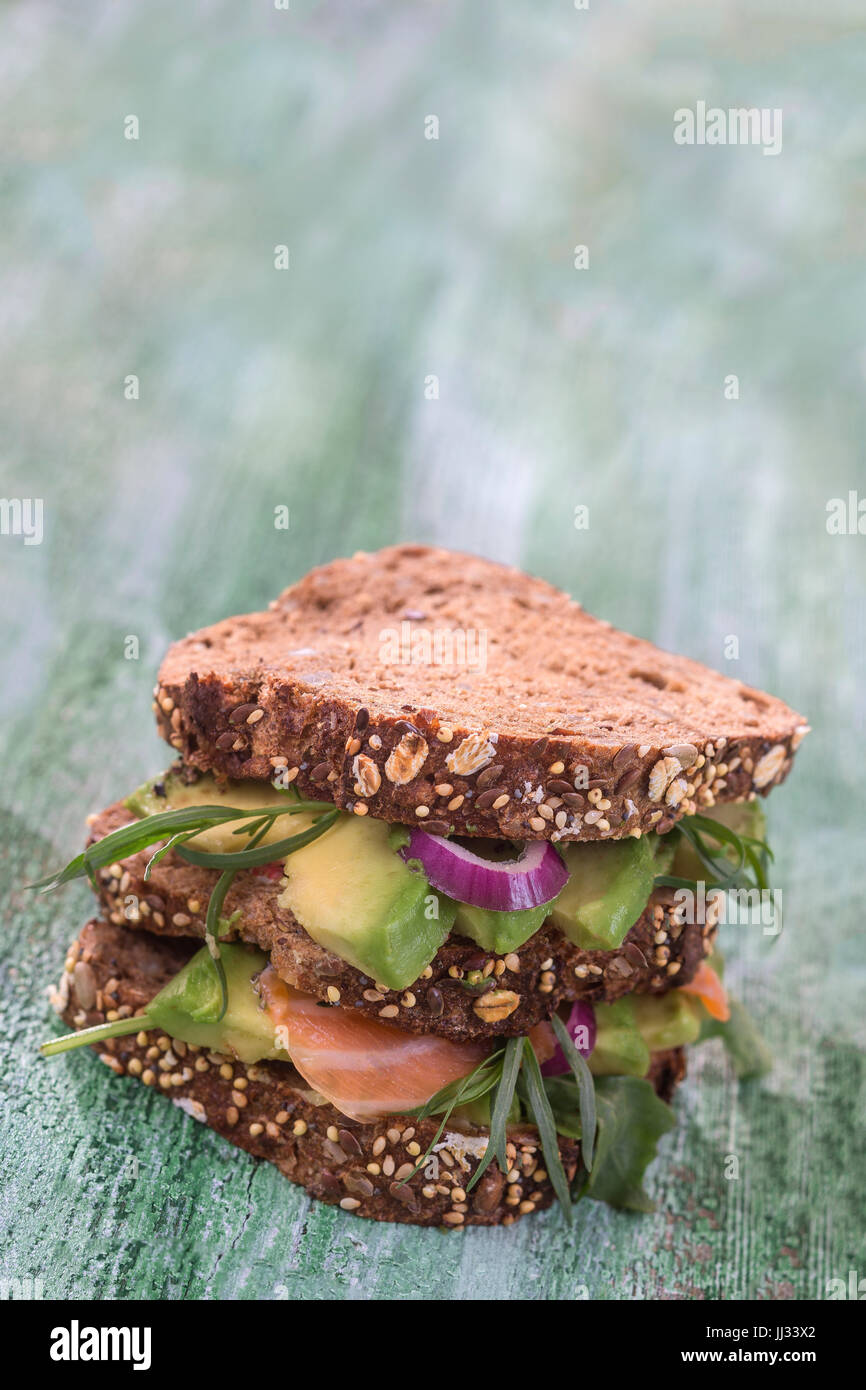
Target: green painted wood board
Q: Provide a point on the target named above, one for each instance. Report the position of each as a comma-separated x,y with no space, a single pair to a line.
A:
557,388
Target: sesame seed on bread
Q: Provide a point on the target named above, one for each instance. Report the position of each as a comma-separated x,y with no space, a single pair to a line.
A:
269,1110
658,953
426,687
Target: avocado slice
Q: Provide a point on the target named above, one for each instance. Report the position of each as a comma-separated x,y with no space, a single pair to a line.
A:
667,1020
743,817
188,1005
350,890
170,793
608,890
620,1049
499,931
353,894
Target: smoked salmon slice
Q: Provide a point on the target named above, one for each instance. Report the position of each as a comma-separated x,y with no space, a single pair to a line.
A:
365,1068
711,992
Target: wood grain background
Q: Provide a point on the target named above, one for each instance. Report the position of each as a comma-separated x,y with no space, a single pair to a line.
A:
306,388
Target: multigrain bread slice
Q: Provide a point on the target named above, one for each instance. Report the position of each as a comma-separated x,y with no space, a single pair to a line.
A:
658,953
268,1110
427,687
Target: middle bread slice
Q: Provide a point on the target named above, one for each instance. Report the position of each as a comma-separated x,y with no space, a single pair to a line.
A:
453,998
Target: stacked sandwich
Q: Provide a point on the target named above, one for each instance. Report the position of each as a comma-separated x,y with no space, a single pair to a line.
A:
424,910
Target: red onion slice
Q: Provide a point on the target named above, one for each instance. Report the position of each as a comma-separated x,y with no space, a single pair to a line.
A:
537,876
580,1025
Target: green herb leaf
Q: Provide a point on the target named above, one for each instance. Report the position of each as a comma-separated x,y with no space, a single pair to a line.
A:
264,854
211,936
512,1057
585,1090
631,1120
118,1029
749,870
166,849
471,1087
751,854
542,1114
564,1100
140,834
672,881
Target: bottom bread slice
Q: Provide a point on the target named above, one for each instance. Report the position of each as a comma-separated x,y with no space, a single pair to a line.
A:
268,1109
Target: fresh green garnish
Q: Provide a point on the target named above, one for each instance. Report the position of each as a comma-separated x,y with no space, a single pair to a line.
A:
748,868
176,828
185,823
279,849
99,1033
191,1007
585,1089
512,1059
631,1121
511,1070
538,1102
445,1101
732,859
618,1120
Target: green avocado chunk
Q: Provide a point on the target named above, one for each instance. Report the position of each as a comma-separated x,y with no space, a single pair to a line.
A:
620,1049
353,894
189,1004
608,890
146,800
631,1028
667,1020
350,890
743,817
499,931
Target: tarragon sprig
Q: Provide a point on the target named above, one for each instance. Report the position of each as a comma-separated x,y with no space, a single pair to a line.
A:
176,828
749,870
510,1070
183,824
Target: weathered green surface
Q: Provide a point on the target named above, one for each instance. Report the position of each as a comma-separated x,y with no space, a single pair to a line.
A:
305,388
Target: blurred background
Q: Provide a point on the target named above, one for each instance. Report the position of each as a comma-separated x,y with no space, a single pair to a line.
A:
434,365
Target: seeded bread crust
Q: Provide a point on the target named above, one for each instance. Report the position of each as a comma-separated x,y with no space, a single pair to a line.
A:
268,1110
658,952
547,724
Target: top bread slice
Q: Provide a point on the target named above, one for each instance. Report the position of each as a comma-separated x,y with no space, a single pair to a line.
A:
437,689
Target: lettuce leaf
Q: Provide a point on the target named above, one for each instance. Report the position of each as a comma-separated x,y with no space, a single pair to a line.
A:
631,1120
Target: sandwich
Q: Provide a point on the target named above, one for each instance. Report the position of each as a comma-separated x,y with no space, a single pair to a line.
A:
424,909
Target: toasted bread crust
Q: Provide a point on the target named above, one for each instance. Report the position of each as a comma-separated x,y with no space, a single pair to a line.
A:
538,976
567,712
268,1110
